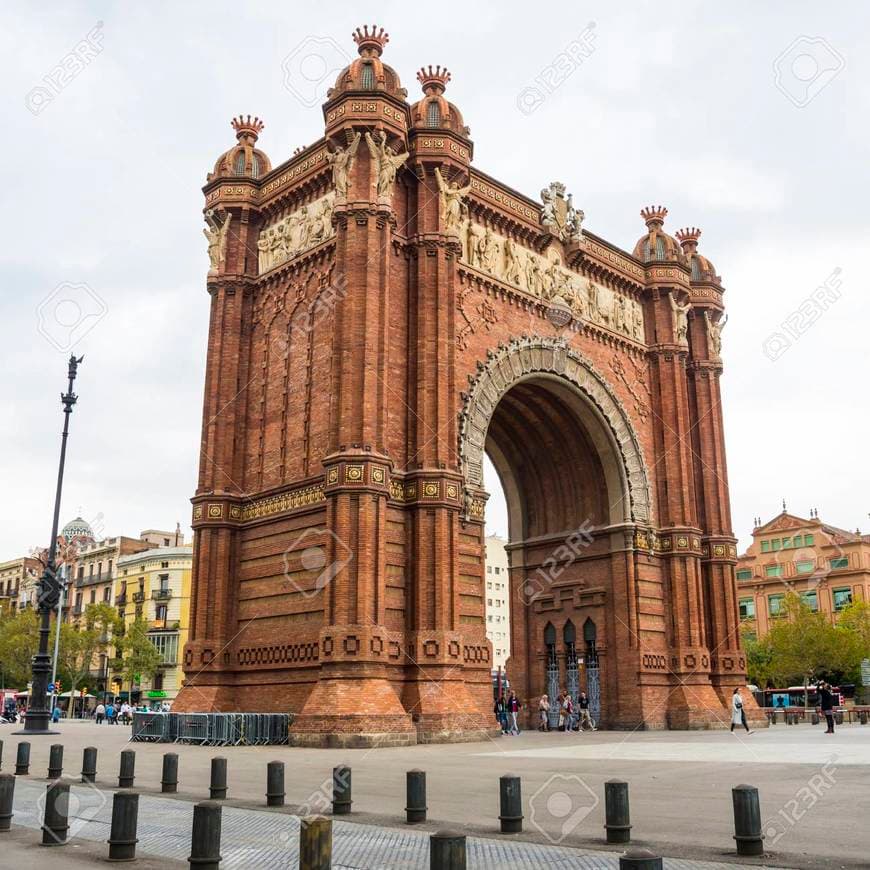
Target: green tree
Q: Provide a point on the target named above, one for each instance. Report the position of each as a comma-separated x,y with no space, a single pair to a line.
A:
805,645
19,641
855,619
758,656
139,657
82,645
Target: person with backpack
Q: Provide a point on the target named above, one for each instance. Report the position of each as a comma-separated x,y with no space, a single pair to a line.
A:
500,710
513,706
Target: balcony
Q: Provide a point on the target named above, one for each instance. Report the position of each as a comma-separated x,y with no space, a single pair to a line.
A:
138,597
121,600
161,594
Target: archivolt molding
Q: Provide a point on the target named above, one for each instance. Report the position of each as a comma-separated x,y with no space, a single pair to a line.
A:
533,355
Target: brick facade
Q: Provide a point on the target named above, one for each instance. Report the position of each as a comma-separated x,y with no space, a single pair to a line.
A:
356,372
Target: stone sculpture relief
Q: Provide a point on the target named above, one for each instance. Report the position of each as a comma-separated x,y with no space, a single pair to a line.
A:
385,163
714,334
681,320
452,207
559,215
342,160
216,235
297,232
548,280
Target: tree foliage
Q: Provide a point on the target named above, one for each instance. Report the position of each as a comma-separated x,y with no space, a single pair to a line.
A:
19,641
139,657
82,645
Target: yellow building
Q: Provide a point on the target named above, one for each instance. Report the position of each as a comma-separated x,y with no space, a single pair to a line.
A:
827,566
155,585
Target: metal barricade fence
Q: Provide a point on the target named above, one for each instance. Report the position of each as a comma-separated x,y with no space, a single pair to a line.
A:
212,729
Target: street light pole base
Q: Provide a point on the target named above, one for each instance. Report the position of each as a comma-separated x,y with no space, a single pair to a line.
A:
37,733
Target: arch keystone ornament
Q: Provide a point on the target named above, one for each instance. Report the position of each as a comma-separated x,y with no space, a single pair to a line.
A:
382,315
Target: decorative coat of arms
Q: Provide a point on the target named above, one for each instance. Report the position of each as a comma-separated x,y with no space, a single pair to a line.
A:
559,215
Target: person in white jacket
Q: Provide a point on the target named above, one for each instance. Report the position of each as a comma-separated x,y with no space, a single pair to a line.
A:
738,714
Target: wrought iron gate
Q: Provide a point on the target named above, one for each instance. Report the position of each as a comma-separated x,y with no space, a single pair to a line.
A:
593,690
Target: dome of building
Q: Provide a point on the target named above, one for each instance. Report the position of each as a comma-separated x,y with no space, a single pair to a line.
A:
368,72
657,244
433,111
702,268
243,159
77,528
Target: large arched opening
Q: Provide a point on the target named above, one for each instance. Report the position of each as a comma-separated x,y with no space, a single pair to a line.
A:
572,503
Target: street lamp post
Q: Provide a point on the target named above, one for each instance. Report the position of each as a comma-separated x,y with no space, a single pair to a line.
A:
38,715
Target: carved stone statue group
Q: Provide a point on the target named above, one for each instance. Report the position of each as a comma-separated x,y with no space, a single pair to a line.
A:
297,232
548,279
216,236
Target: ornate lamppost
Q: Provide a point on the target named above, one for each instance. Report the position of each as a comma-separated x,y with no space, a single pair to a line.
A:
38,714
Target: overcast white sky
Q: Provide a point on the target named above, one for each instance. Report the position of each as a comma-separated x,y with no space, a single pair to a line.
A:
677,104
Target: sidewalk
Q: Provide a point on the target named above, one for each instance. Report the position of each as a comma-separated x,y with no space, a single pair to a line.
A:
258,838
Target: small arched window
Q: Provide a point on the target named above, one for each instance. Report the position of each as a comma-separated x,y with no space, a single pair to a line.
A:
255,169
367,80
239,164
433,114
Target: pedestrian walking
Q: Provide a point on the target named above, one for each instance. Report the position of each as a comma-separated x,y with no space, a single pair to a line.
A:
513,706
826,705
544,713
110,713
100,714
568,710
585,718
500,710
738,714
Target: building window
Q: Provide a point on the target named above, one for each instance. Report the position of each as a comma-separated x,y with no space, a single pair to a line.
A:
798,540
497,569
164,582
808,540
157,681
91,570
78,600
160,613
841,562
774,604
765,546
107,593
811,599
775,544
110,568
81,572
239,166
842,598
805,566
166,542
744,574
164,565
773,570
167,646
747,608
489,569
489,602
433,114
367,79
786,543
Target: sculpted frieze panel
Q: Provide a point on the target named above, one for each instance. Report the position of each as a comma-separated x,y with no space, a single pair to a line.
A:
547,279
296,233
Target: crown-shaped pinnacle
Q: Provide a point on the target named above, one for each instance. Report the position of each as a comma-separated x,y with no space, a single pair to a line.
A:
373,40
247,126
436,78
688,238
654,214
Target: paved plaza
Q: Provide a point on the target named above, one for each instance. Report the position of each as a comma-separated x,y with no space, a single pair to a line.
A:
810,784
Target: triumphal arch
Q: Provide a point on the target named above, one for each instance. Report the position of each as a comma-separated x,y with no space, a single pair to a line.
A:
383,313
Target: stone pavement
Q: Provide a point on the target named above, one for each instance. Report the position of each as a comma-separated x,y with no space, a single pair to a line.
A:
252,838
680,784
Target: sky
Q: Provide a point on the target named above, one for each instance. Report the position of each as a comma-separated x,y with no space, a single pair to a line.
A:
747,120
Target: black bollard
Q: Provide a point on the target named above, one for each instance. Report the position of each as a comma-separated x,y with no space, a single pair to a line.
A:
341,790
128,769
815,719
447,851
838,718
125,815
89,764
275,784
22,759
616,815
1,754
7,795
862,717
55,823
55,761
169,778
639,859
773,717
747,820
511,804
205,838
315,843
415,796
218,788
